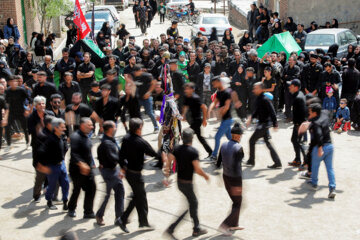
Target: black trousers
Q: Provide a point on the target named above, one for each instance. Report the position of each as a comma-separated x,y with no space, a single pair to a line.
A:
262,132
188,190
288,103
143,25
196,126
85,88
241,111
87,184
138,200
233,186
1,134
11,122
162,18
308,157
295,139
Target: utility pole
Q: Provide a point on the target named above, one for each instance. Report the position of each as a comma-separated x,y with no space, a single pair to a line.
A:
224,7
215,6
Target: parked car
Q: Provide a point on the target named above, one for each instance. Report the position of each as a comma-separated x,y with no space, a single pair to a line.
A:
324,38
176,3
120,4
206,21
104,14
111,8
100,17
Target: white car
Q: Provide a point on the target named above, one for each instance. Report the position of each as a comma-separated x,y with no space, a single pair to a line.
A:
205,22
111,8
97,26
176,3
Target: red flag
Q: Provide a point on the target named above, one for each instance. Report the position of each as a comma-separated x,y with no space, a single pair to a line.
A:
80,21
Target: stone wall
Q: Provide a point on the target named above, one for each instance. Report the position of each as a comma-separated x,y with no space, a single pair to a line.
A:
237,17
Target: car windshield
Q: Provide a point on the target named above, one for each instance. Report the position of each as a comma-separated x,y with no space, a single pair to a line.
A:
102,15
215,20
98,24
320,39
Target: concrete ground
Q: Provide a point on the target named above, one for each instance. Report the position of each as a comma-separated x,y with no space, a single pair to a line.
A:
276,203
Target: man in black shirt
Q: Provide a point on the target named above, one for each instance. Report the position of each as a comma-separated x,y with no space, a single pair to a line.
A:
68,88
112,80
130,103
130,67
65,64
187,159
193,68
299,116
43,88
145,86
264,112
52,155
109,158
107,107
291,71
81,163
173,30
85,75
15,98
132,152
194,104
55,110
49,68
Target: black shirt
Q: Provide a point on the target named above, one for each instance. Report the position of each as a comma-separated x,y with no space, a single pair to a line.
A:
172,32
128,69
319,129
85,68
114,86
269,83
132,152
53,151
185,155
80,151
60,114
193,72
108,111
16,99
131,105
63,66
67,92
143,83
263,17
82,111
194,103
45,90
264,111
2,106
108,152
223,96
299,108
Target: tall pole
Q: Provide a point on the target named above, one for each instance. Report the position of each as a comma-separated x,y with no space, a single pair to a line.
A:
224,7
215,6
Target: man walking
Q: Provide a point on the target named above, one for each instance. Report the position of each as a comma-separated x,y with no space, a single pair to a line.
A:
108,154
52,155
299,116
196,106
132,152
187,159
81,162
264,112
231,155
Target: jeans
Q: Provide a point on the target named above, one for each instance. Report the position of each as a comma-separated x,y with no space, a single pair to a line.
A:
262,132
138,200
112,180
87,184
58,174
148,105
328,150
233,186
188,190
196,126
225,128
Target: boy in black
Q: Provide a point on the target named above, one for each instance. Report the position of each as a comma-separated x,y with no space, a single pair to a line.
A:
270,85
193,103
94,94
187,159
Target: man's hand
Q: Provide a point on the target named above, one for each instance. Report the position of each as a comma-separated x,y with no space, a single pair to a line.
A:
43,169
237,104
204,123
4,123
146,95
320,152
238,83
248,122
122,173
84,168
206,177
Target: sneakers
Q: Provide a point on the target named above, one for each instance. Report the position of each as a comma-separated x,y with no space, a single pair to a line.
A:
37,199
65,206
211,159
89,215
146,228
275,166
199,232
295,163
170,233
305,175
312,186
332,194
51,205
249,163
72,214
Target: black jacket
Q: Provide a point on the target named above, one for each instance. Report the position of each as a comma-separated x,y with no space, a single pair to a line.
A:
264,111
108,152
351,83
320,131
80,151
53,151
299,108
310,76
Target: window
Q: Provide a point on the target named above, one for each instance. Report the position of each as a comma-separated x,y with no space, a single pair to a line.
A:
215,20
350,37
320,39
342,39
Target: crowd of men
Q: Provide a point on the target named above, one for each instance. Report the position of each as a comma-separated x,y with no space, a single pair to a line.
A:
181,80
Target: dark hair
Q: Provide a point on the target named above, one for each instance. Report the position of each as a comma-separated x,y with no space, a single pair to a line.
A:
94,84
137,67
87,53
135,124
108,125
267,68
316,107
16,77
55,95
48,119
65,49
189,85
187,136
327,64
351,63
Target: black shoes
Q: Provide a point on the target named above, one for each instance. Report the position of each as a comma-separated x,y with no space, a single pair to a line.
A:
250,163
122,225
275,166
65,206
295,163
199,232
89,215
170,233
51,205
146,227
72,214
36,199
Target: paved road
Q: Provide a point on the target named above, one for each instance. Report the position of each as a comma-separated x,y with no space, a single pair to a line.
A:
276,205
